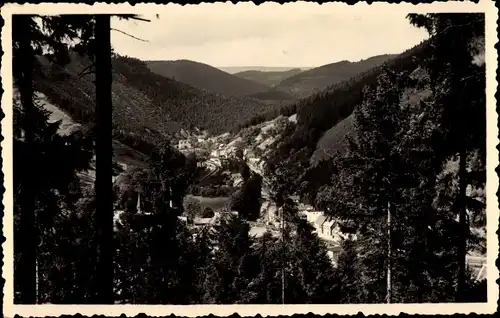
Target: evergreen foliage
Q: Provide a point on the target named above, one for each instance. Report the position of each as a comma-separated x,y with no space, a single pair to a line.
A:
40,194
422,164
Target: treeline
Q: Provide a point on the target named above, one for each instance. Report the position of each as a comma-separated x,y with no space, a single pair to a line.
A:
203,76
74,93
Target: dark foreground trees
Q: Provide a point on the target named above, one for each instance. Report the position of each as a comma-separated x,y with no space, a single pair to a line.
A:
398,165
459,89
46,164
421,164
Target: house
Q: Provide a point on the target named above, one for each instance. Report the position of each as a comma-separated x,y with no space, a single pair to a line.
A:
215,153
224,213
257,231
318,223
199,222
311,216
305,207
327,228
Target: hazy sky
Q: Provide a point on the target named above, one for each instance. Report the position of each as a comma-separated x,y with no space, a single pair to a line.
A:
296,34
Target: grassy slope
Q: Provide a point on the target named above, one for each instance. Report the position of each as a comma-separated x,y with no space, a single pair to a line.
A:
308,82
333,141
204,76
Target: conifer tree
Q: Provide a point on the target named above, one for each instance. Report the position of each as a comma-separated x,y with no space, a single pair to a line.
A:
459,88
267,286
348,285
383,173
232,265
37,140
247,200
309,265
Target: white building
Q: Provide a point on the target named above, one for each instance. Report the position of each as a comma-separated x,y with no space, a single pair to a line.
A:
268,211
327,228
311,216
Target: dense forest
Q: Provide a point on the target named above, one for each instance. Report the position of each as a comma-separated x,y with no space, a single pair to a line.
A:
165,104
269,78
409,166
408,184
206,77
308,82
320,112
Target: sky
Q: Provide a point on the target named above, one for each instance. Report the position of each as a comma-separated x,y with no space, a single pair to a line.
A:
297,34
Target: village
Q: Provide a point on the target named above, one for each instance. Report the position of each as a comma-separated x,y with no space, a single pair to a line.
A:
326,229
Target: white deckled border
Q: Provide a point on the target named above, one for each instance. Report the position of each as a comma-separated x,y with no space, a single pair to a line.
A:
10,310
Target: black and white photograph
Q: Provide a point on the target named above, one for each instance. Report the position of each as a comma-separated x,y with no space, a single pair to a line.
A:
235,154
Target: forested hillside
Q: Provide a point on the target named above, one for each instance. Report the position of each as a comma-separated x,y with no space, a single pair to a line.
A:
409,180
207,77
135,114
145,104
270,78
322,111
310,81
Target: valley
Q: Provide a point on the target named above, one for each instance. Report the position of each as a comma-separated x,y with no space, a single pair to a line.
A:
359,180
257,143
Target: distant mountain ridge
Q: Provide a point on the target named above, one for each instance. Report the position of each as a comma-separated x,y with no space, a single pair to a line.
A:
308,82
269,78
239,69
207,77
147,107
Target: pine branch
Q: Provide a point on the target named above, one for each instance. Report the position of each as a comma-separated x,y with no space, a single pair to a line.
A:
140,19
128,34
86,71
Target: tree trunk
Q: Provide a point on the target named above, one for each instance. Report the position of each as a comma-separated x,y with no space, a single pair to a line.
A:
26,273
463,228
389,255
283,256
104,158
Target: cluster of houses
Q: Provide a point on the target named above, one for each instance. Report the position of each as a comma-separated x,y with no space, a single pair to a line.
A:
326,228
201,222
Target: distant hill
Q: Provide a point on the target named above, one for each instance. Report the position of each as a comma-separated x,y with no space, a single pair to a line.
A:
135,114
313,80
325,118
147,107
206,77
239,69
273,95
269,78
